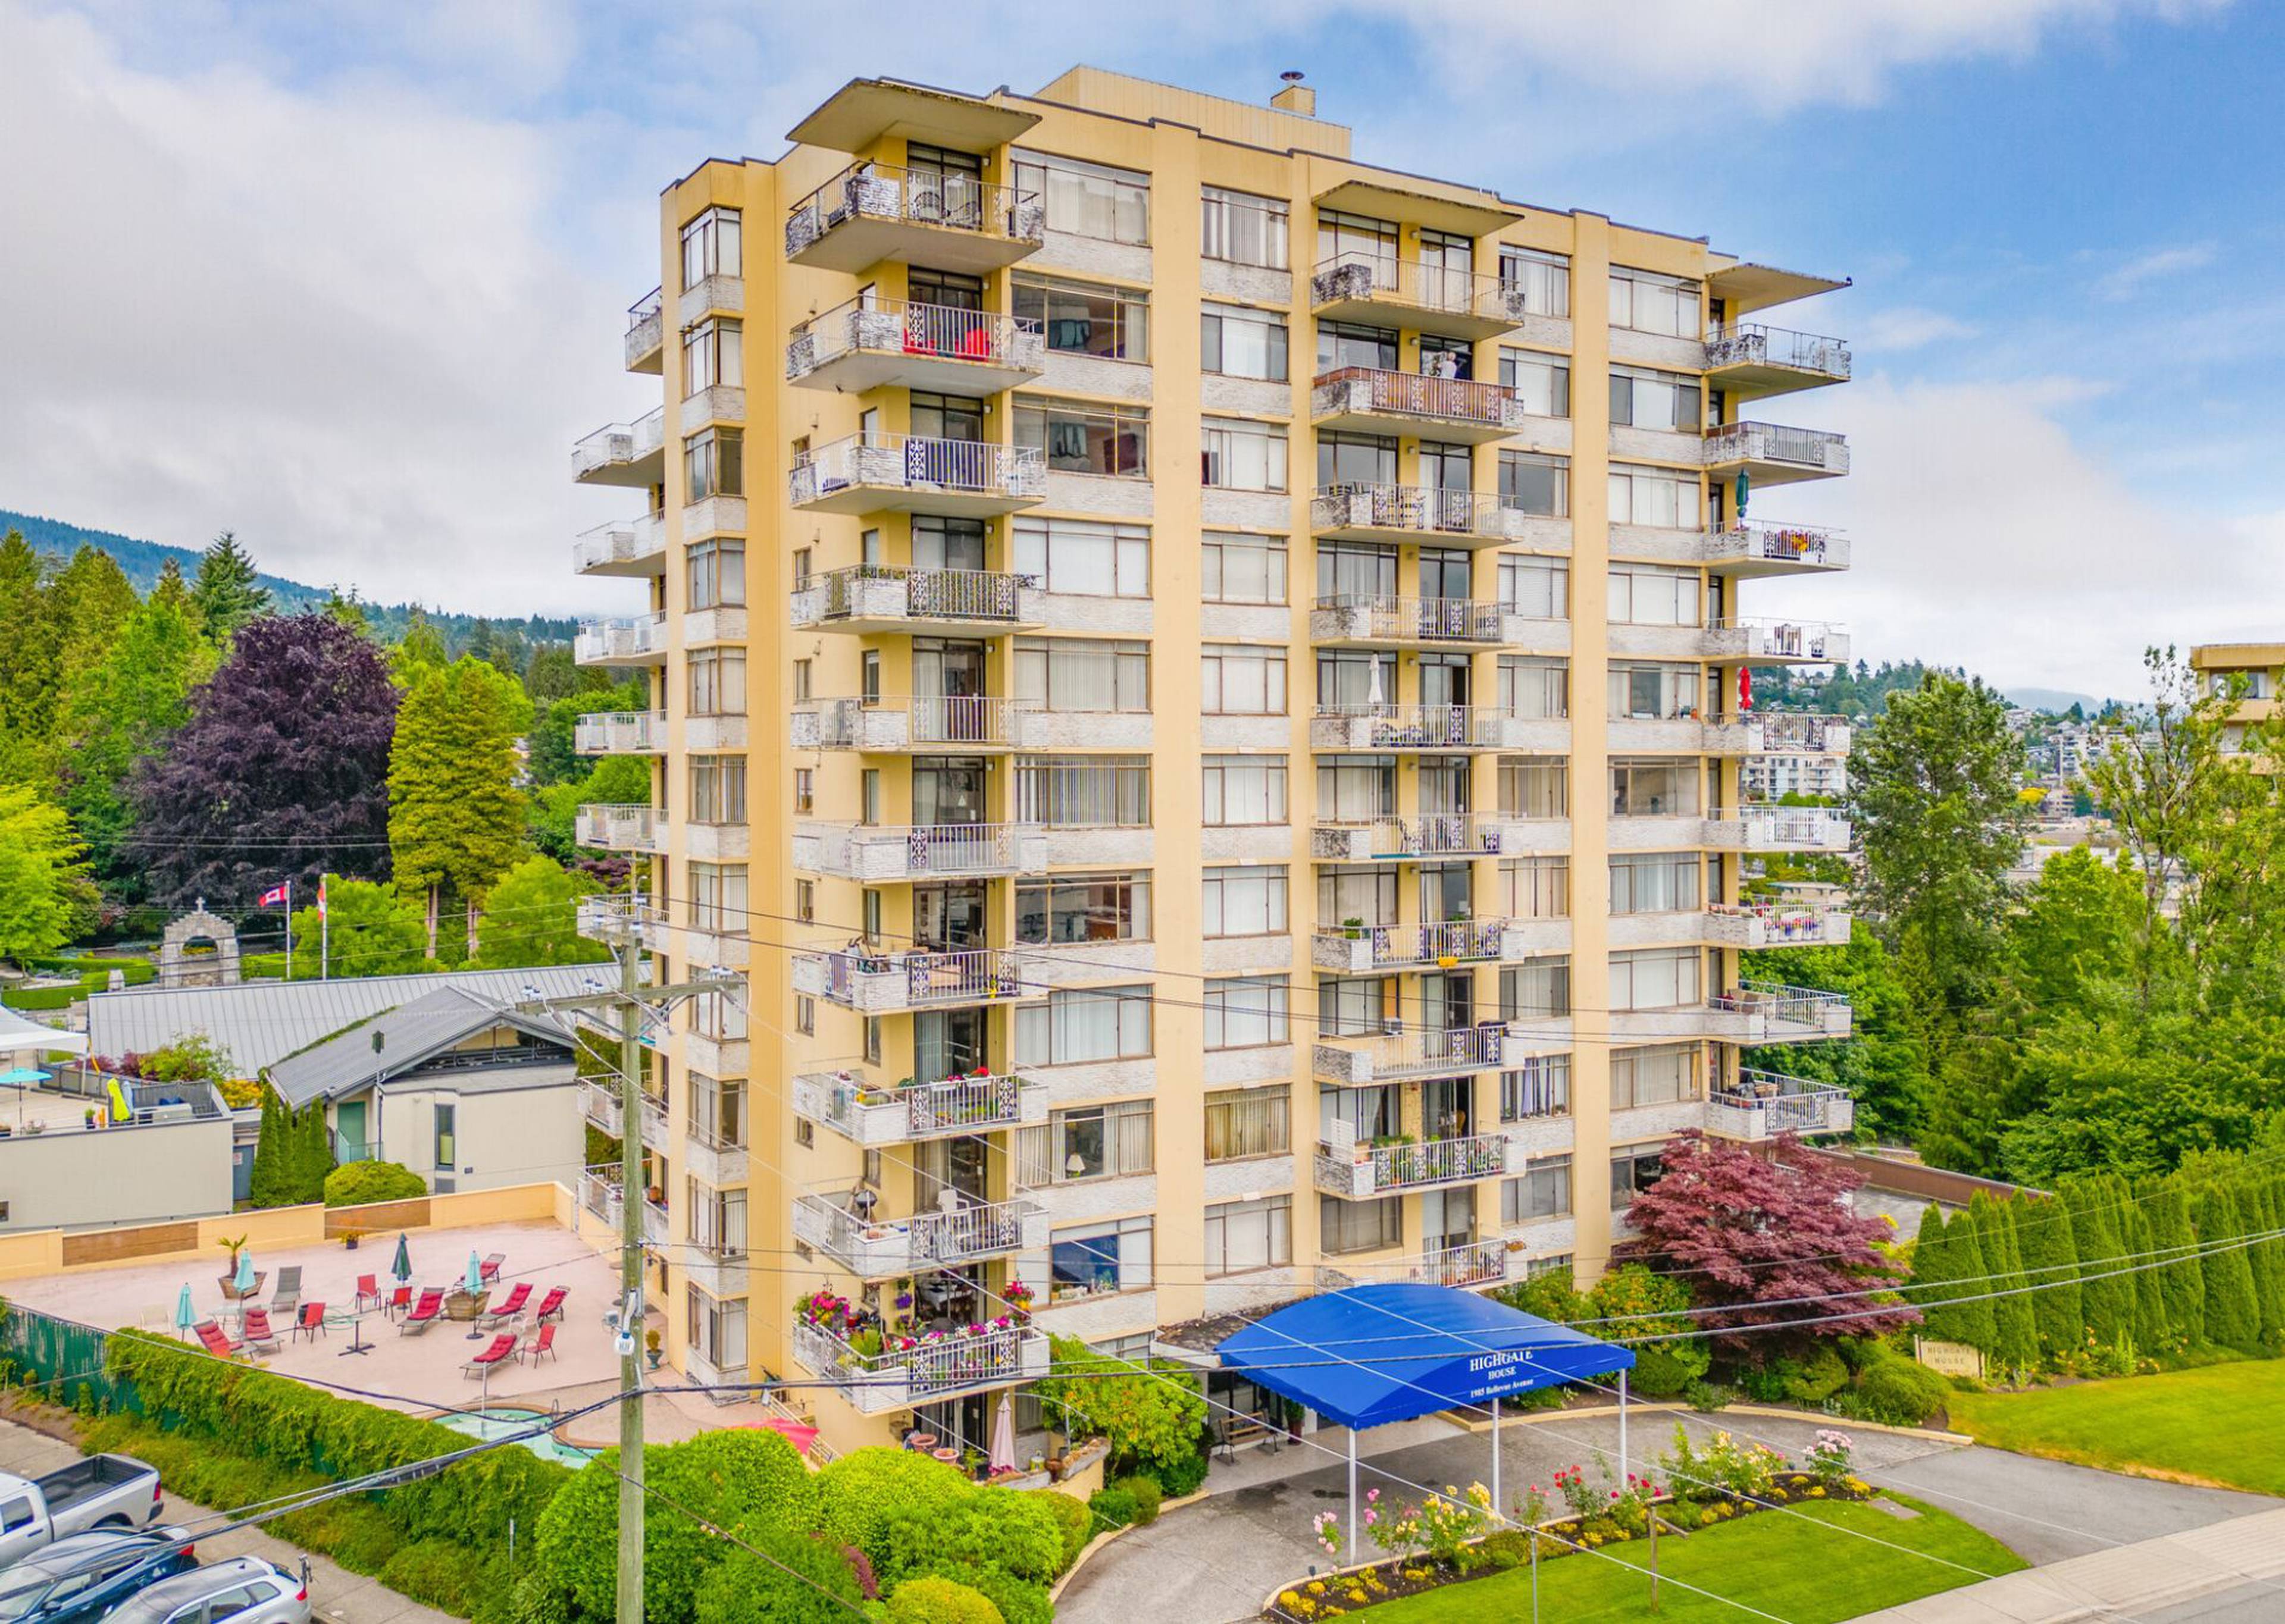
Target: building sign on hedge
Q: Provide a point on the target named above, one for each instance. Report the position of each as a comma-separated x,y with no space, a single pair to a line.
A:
1950,1358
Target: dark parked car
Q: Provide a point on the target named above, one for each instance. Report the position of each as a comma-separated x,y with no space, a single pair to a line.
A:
79,1580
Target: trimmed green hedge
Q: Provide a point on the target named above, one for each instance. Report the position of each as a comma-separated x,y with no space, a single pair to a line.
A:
31,1000
356,1184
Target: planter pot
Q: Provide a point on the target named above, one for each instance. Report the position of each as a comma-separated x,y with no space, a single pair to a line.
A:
654,1355
230,1288
349,1242
1056,1469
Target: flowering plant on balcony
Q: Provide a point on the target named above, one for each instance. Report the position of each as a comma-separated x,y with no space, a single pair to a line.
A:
825,1309
1017,1295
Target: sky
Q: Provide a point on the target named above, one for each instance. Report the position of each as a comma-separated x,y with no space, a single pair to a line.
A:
350,279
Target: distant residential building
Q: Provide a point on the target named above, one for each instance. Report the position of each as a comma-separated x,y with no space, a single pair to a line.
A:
1772,777
2261,665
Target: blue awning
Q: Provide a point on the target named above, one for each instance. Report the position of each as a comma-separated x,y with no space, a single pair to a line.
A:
1373,1354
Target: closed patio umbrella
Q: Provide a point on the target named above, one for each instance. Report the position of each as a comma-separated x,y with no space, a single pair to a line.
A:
244,1281
186,1316
1001,1456
1745,491
474,1283
402,1267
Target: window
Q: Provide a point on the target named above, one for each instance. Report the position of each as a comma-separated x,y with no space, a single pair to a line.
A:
719,1015
714,460
1243,229
1242,1236
1540,990
1654,497
716,1329
1355,459
1083,908
802,560
869,676
1238,342
1238,455
1076,437
718,682
711,353
1534,485
716,572
804,901
1543,279
1342,344
1241,679
1655,978
1537,587
1542,383
1349,1008
1655,882
1355,788
1358,240
710,247
1360,1225
1535,888
718,789
1094,1141
1649,691
14,1515
1087,200
1543,1192
1535,689
1642,398
1077,1026
1634,1170
804,1014
1084,791
718,896
1244,1012
446,1123
1084,558
1244,790
1541,1086
1245,902
1655,787
718,1219
1236,569
1534,788
1347,892
1662,1074
1095,1259
1072,674
1087,318
1653,595
1245,1122
1649,302
935,417
803,670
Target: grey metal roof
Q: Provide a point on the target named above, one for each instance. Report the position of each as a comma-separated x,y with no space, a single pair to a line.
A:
399,1040
260,1023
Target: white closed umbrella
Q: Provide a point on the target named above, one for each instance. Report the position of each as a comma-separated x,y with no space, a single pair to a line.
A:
1001,1456
1373,692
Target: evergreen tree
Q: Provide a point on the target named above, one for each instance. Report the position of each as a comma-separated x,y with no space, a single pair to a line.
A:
31,669
227,589
2050,1259
2152,1329
270,1177
422,646
173,591
1937,1269
2180,1284
2118,1199
93,598
1974,1312
121,711
2233,1318
2258,1204
2109,1309
2017,1341
456,816
45,898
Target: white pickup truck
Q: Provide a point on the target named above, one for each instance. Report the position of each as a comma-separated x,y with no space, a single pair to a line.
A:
103,1491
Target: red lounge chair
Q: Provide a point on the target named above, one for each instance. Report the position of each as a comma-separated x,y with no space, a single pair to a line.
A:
400,1299
217,1340
490,1268
310,1322
976,344
499,1348
425,1312
541,1346
513,1308
551,1306
258,1335
368,1291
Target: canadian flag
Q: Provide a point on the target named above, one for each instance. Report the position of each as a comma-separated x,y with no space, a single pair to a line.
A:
274,895
321,896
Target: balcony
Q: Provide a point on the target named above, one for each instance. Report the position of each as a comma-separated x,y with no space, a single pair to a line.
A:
1417,512
1770,924
1353,1172
958,1363
1368,400
646,332
870,1116
630,640
1360,622
603,1107
1398,293
621,828
600,1197
607,918
895,984
1749,548
1394,1057
885,1248
880,598
1777,642
872,212
1363,950
886,473
1768,454
713,1159
896,344
1748,358
1765,1104
967,723
630,454
626,548
898,853
620,732
1373,728
1765,827
1768,1012
1787,733
1430,837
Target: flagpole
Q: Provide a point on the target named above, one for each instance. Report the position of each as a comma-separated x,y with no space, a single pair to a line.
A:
325,931
289,930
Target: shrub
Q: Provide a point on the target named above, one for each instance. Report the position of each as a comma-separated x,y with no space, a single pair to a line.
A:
1146,1495
1153,1419
1072,1517
1001,1527
1897,1391
445,1574
1183,1475
1113,1507
861,1493
932,1600
358,1183
1817,1378
753,1586
1018,1602
1659,1374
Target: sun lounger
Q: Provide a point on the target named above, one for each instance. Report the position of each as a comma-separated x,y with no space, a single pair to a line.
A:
501,1311
550,1305
490,1268
286,1296
425,1312
258,1335
217,1340
496,1351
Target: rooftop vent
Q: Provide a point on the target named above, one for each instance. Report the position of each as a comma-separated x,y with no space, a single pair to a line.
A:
1296,96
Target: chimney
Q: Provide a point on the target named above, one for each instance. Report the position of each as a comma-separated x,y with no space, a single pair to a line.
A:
1296,96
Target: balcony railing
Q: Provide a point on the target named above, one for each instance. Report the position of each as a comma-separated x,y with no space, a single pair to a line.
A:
884,984
899,329
1749,541
1810,1011
880,1249
620,544
1357,277
1766,1103
1364,948
977,469
1787,733
619,733
1362,1172
1352,617
942,1367
619,445
1750,344
1370,391
882,195
629,639
1773,924
922,851
600,1197
1395,1057
1431,835
645,328
870,1115
968,721
1809,451
620,829
874,593
607,1110
1404,727
1415,510
1780,639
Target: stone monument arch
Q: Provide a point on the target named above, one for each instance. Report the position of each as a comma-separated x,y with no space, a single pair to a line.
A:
176,969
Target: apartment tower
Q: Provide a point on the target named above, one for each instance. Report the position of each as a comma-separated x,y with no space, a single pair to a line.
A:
1202,685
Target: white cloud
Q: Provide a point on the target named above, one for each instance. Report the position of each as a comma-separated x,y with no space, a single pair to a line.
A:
1909,327
2130,278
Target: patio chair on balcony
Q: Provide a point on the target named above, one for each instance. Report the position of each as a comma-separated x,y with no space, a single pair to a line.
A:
259,1337
550,1305
286,1296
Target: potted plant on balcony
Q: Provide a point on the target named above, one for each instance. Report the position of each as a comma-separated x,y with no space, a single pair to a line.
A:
651,1348
1019,1297
1353,927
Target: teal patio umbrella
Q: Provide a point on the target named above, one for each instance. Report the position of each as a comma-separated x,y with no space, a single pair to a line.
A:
474,1284
402,1266
244,1282
186,1316
1745,491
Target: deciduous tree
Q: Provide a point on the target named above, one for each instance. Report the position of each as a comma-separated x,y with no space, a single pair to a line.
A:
44,890
121,711
371,931
531,917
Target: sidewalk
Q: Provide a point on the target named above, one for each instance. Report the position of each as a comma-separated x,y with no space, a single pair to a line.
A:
335,1593
2126,1582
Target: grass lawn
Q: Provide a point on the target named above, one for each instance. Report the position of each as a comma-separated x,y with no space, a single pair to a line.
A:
1780,1564
2224,1424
